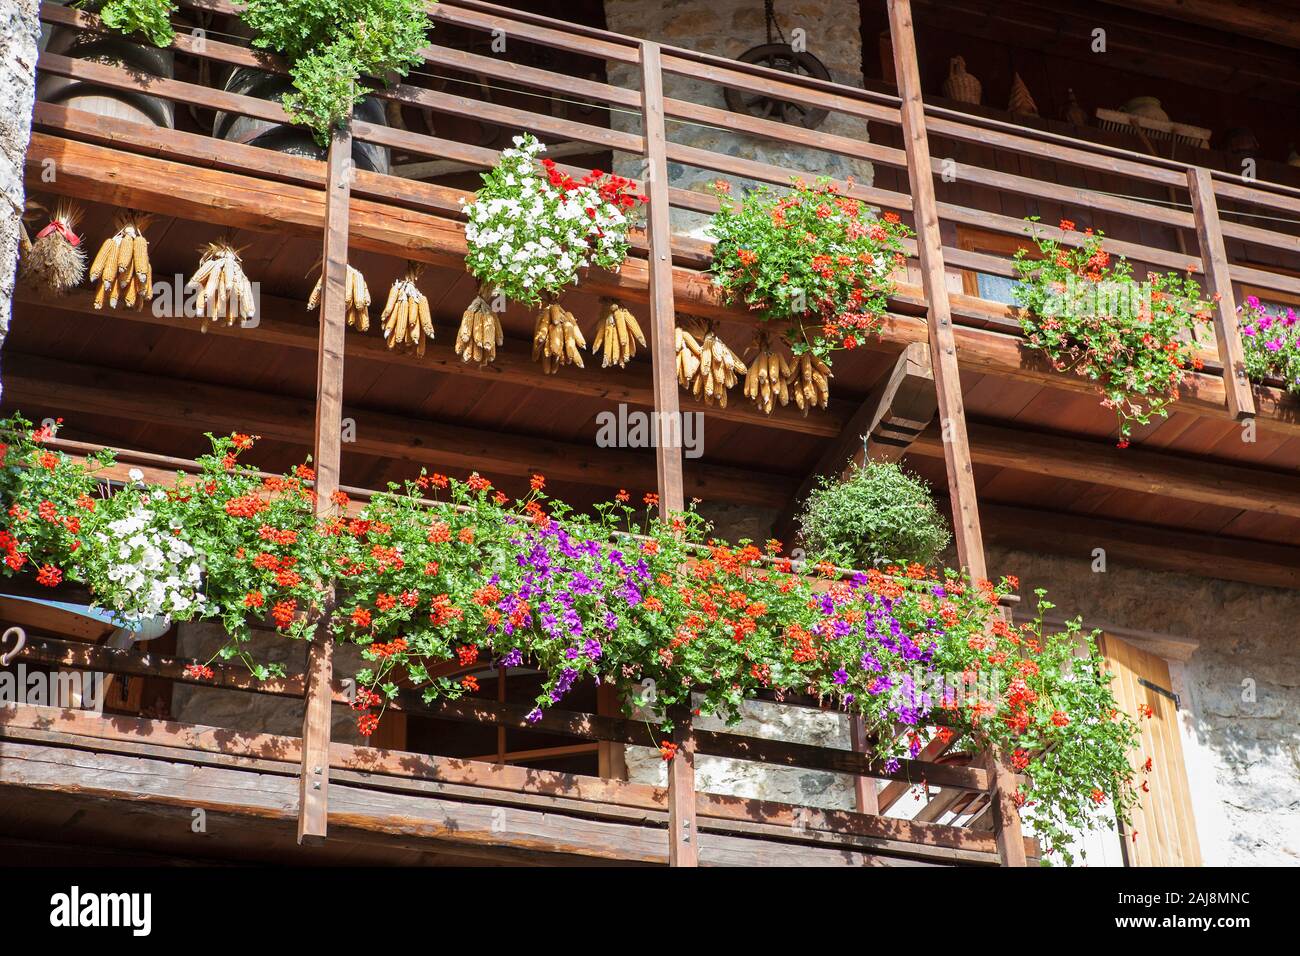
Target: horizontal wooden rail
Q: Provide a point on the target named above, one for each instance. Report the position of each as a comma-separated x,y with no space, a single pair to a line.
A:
59,653
477,781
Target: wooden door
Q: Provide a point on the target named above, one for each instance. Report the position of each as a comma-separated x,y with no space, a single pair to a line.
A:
1163,830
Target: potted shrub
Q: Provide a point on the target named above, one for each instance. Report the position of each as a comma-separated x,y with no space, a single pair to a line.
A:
880,515
1271,343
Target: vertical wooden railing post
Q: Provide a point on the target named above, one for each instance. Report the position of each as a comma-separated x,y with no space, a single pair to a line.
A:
943,348
1218,281
683,840
1006,816
313,802
865,793
668,451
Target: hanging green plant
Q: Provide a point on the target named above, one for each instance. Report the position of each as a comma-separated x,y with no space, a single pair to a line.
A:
150,18
1088,314
331,45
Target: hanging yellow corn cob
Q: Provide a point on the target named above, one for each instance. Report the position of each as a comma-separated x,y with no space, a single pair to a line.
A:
557,340
480,330
223,290
121,271
407,322
767,378
706,366
617,335
356,298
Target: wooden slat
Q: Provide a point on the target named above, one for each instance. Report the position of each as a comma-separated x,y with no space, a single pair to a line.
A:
36,381
246,202
1135,469
1006,817
327,458
683,836
663,313
943,348
890,418
1218,281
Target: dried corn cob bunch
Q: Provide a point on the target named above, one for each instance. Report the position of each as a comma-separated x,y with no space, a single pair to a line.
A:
706,366
55,263
121,270
407,321
767,379
480,330
557,340
809,382
224,292
356,299
617,335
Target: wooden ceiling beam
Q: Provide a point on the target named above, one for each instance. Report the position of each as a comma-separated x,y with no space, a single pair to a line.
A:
52,385
1133,469
288,324
891,417
1140,545
128,180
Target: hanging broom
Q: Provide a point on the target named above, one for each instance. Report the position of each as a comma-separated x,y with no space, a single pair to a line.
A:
480,330
121,270
56,263
408,323
356,299
224,291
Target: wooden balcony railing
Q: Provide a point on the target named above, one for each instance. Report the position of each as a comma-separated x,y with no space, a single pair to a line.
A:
222,181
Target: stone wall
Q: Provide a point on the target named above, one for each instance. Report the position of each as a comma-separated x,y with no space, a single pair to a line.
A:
1247,801
728,28
255,713
19,33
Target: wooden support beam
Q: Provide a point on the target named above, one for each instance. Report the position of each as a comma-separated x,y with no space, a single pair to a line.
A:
683,837
313,803
889,419
663,316
611,756
865,792
258,203
1218,281
1131,544
33,383
284,324
1133,469
943,347
1006,817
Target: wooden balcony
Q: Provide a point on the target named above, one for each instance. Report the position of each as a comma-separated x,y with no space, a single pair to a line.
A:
1029,461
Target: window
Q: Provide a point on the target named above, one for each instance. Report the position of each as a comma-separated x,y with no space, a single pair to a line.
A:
986,285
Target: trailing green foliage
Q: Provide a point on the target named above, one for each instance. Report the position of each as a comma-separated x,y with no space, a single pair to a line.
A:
152,18
332,44
880,515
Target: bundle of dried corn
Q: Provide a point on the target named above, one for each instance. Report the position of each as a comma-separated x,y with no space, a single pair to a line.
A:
617,335
767,379
55,262
706,366
809,381
356,299
121,270
408,323
224,292
557,340
480,330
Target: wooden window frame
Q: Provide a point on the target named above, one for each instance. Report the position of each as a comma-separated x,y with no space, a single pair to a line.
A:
975,239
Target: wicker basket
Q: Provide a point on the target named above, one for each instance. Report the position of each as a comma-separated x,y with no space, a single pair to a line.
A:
960,85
